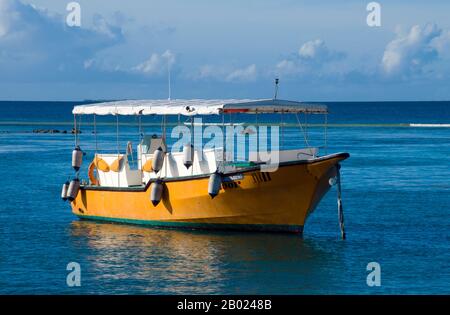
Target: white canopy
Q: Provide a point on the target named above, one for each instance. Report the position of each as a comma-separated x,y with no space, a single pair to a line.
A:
196,107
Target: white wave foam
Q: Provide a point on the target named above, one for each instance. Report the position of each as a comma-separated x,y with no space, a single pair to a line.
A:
430,125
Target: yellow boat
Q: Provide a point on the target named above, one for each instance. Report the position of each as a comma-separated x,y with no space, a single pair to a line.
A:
198,187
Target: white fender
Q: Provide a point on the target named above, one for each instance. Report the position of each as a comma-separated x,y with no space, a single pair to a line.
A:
188,155
77,158
64,190
158,160
156,192
73,189
215,180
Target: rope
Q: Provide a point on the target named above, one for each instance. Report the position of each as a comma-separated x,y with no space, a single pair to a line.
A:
326,133
75,129
339,203
301,127
306,125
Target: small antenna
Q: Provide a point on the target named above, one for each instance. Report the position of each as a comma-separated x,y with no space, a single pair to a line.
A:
168,76
276,88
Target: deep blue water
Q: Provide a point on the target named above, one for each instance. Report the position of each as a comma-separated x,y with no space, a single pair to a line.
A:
396,195
348,113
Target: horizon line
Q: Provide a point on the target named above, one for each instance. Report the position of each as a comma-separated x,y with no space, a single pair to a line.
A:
305,101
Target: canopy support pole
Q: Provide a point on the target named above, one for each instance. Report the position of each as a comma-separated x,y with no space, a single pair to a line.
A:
95,134
166,157
139,152
118,149
282,130
192,143
164,127
76,140
223,139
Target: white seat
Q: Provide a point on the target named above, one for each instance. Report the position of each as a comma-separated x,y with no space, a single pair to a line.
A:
173,165
125,177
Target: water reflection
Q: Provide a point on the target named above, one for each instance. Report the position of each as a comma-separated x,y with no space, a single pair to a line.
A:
133,259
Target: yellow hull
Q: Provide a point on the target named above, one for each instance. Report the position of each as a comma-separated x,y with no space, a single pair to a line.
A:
251,199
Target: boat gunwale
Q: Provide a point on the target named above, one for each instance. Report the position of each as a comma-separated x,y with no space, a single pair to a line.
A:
344,155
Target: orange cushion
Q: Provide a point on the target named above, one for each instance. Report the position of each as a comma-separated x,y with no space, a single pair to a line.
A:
148,166
116,165
101,164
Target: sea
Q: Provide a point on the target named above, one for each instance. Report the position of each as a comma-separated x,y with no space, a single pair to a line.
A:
395,195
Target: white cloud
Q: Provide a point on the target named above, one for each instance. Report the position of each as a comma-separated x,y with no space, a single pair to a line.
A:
156,64
314,49
313,58
151,66
35,43
169,56
4,18
318,51
101,26
244,74
207,71
287,67
88,63
410,52
442,44
227,73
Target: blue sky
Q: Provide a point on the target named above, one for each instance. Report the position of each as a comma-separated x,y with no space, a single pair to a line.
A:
320,50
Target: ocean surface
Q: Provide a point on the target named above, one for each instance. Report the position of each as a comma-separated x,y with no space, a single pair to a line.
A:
396,197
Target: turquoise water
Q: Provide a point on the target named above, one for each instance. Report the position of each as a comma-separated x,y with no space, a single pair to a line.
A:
396,196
